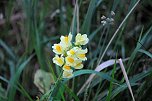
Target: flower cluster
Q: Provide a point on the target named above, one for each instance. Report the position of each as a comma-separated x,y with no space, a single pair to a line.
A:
70,55
108,20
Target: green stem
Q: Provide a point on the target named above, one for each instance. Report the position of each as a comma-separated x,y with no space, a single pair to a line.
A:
56,84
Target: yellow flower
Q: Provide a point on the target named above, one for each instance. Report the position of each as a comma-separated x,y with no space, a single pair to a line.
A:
81,39
66,41
58,49
81,54
66,67
79,65
73,51
58,60
67,74
70,60
78,53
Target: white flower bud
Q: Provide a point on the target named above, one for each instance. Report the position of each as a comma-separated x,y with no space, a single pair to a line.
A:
103,17
112,13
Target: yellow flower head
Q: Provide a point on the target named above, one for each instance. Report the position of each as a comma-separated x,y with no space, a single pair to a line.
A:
67,74
81,39
66,41
66,68
78,65
81,54
70,60
58,60
58,49
73,51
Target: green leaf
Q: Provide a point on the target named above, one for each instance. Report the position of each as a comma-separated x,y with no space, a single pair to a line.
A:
115,4
8,50
145,52
2,93
141,75
71,93
93,34
101,74
111,85
120,89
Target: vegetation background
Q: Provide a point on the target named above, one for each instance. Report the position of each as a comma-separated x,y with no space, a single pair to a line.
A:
28,29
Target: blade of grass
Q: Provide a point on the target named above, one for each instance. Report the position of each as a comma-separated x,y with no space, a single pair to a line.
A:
116,91
77,10
11,67
145,52
93,34
25,92
8,50
74,21
86,71
115,4
71,93
111,84
141,75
